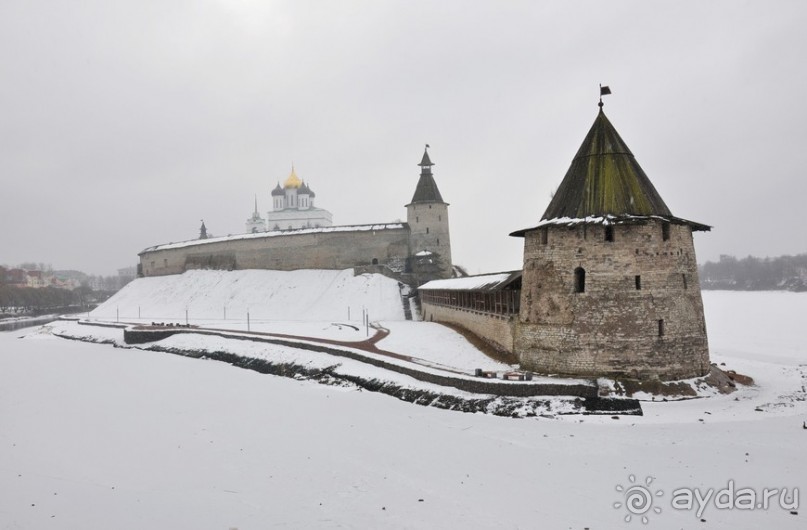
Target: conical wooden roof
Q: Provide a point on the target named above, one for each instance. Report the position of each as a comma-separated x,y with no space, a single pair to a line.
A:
605,184
605,179
426,190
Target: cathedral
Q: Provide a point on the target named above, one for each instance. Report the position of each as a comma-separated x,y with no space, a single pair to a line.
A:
292,208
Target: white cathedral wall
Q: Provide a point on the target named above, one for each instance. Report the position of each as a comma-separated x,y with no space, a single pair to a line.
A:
287,219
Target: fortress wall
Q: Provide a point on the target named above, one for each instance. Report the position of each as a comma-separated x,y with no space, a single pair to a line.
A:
313,250
497,330
612,327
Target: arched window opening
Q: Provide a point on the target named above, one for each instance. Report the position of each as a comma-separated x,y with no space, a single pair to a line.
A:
375,261
580,280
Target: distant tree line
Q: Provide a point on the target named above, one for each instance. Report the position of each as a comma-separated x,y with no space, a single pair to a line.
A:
27,300
755,274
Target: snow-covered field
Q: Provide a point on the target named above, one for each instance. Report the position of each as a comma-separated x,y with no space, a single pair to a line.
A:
97,437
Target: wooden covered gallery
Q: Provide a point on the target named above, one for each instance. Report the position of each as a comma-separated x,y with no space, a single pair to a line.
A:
497,294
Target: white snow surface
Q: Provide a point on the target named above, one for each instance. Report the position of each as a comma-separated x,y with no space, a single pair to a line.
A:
302,295
468,282
437,343
93,436
305,303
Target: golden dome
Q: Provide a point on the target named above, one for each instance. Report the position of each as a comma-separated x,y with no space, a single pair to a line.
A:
293,181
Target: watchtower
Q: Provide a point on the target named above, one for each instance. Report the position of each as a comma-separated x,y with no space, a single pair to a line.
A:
427,216
610,280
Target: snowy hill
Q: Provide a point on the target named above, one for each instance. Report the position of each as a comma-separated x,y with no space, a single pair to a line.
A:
307,295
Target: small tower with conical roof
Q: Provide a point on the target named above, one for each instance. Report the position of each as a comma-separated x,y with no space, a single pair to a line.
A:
203,231
427,215
610,281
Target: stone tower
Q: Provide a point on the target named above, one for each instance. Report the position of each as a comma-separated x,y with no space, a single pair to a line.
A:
427,215
610,280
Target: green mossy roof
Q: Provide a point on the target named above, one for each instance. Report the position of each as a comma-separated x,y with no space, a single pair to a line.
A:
605,179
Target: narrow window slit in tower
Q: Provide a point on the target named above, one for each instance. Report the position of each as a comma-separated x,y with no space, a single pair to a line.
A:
579,280
661,327
544,236
684,277
609,233
638,280
665,231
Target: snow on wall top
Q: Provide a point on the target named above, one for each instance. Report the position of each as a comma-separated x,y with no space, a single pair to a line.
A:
485,281
277,233
609,220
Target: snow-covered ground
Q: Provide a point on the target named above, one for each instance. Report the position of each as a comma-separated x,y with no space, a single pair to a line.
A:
97,437
303,295
306,303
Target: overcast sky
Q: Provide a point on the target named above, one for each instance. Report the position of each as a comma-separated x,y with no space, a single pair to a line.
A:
123,124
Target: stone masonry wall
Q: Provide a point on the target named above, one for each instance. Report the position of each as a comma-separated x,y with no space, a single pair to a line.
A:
428,223
619,325
496,330
319,250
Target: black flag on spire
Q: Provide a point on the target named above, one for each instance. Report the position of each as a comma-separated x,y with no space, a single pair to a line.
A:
604,91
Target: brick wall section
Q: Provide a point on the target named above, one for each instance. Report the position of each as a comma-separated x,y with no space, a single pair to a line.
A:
612,327
325,250
496,330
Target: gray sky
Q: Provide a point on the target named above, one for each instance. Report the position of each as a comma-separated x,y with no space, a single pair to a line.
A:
124,123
